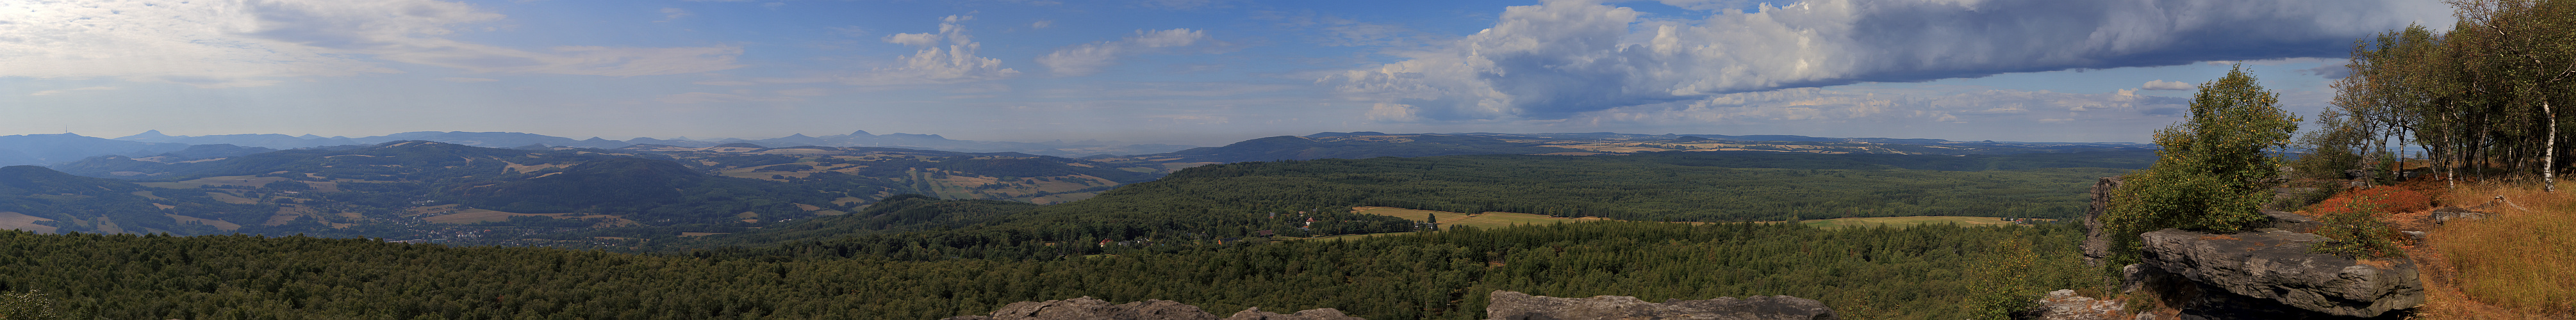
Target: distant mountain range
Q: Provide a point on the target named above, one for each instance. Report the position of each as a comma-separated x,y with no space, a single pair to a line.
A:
391,189
49,149
1358,145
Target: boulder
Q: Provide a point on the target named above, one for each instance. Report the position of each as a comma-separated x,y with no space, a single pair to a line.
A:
1508,305
2276,267
1255,313
1088,308
2446,214
2097,244
2065,305
2293,222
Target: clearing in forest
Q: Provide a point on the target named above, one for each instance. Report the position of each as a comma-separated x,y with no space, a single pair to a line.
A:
1480,220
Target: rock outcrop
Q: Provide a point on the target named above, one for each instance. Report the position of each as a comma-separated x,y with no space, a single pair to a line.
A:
1508,305
2293,222
2065,305
2097,244
2274,268
1088,308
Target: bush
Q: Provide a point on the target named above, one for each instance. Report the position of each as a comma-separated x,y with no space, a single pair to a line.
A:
2357,233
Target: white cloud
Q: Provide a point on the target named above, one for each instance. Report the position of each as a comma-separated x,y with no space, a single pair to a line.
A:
669,14
2112,116
62,91
242,43
913,39
1564,57
1089,58
935,64
1042,24
2165,85
467,80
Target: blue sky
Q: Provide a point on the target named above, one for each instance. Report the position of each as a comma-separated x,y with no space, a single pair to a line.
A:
1205,72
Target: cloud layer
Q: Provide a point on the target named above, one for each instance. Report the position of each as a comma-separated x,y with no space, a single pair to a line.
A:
934,64
1562,58
242,43
1089,58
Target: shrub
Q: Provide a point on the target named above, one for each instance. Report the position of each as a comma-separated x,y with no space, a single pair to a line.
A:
2357,233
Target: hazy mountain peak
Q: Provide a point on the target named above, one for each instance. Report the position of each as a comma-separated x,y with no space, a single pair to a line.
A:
147,134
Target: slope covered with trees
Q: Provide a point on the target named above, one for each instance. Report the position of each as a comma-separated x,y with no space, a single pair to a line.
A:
1913,273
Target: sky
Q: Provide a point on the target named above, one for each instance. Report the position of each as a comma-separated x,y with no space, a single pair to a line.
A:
1202,72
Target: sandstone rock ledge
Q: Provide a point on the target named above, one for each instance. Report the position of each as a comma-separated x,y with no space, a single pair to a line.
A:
1500,305
1088,308
2275,266
1507,305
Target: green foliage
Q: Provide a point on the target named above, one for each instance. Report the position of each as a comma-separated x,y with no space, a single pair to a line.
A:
2335,146
30,305
2479,98
2003,282
1904,273
2356,233
2215,172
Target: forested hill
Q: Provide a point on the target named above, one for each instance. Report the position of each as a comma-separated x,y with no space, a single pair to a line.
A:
1869,273
432,190
1242,200
1360,145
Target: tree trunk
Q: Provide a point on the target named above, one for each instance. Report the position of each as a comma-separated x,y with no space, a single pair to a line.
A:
2549,152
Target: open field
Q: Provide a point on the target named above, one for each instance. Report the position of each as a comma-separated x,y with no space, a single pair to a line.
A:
1480,220
1508,219
21,221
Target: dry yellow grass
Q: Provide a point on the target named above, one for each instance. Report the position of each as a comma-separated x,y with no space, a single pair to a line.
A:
2519,263
20,221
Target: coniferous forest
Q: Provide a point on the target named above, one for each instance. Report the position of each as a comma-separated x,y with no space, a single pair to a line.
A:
1867,273
1202,236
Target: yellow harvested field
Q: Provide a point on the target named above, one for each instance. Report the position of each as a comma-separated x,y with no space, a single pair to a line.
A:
21,221
1481,220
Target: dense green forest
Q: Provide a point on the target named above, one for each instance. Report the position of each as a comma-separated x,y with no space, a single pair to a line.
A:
1866,273
1233,201
1665,186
